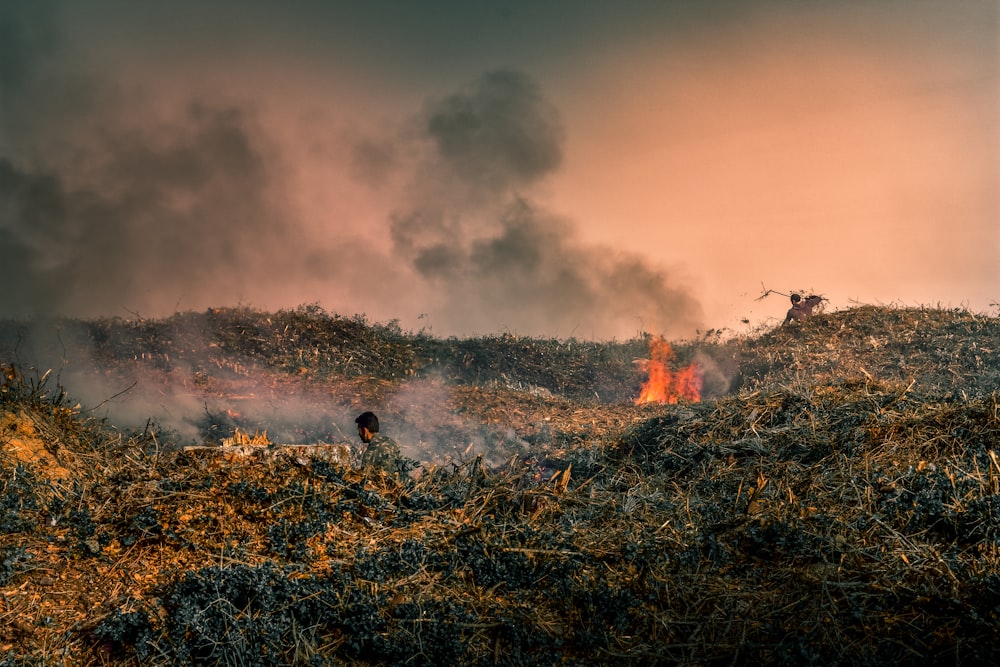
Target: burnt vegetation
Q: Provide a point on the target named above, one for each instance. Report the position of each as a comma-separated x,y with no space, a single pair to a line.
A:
833,498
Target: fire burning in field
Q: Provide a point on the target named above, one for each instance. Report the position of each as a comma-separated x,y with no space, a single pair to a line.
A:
665,385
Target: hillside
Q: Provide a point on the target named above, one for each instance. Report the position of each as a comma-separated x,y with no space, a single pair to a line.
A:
832,497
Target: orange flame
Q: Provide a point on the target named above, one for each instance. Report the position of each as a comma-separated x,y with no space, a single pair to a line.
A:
664,385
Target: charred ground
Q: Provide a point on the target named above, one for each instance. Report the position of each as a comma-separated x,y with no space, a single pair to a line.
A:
834,497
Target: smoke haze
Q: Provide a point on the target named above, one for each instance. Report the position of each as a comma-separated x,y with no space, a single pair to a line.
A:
151,209
593,173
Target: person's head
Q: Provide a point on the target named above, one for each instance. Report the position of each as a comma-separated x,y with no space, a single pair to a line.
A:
796,298
367,425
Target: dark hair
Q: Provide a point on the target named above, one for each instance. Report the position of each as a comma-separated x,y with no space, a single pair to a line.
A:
368,420
796,298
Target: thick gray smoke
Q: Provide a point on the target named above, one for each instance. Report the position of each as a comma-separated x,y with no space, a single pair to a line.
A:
113,202
115,199
177,206
495,257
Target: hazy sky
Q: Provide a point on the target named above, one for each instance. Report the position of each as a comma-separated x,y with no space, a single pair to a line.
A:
577,168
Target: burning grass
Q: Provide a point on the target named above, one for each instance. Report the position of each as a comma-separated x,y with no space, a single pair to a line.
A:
839,503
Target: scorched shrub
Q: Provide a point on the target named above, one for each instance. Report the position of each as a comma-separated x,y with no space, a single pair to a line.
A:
18,500
127,630
259,616
12,561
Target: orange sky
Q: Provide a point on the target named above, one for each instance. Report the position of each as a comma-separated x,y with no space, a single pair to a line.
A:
759,157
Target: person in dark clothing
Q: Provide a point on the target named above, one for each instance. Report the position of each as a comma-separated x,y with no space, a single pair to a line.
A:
381,452
801,309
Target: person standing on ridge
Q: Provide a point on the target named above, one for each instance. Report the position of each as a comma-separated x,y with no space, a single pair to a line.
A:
801,309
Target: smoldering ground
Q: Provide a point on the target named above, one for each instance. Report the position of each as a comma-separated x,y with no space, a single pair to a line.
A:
168,385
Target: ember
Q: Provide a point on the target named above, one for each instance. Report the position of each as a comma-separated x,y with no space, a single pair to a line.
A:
665,385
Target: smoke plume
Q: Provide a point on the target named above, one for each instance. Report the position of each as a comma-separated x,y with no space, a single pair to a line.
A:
496,258
119,198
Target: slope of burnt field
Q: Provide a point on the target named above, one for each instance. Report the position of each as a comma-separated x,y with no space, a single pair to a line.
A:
308,342
835,497
942,349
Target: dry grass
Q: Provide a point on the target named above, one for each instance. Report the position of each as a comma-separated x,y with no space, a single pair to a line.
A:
838,504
